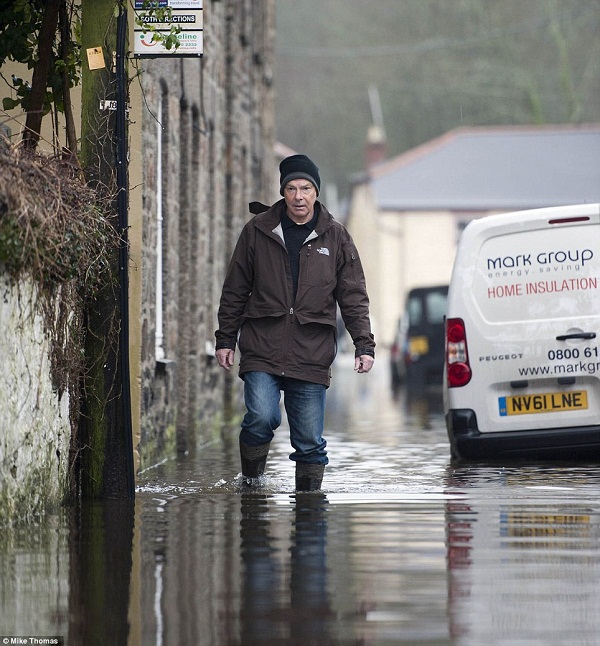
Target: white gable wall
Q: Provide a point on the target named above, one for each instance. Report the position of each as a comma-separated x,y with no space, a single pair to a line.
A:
399,250
423,255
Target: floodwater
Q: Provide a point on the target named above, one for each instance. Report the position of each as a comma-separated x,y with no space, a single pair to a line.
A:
400,547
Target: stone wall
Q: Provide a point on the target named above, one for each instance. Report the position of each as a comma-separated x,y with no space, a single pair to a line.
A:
35,431
207,150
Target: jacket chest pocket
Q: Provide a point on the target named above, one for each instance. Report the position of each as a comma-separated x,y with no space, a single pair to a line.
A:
317,265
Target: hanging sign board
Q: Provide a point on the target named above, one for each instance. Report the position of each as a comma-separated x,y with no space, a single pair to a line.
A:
187,15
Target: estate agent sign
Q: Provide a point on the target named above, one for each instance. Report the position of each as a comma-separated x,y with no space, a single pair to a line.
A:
187,15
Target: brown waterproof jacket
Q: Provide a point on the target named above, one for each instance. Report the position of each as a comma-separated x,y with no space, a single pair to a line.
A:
281,337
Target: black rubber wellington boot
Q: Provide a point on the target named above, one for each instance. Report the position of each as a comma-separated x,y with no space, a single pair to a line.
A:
254,461
309,476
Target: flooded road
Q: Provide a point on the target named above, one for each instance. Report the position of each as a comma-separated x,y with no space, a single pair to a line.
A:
400,547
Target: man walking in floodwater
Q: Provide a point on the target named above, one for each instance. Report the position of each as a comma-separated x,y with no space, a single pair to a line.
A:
291,266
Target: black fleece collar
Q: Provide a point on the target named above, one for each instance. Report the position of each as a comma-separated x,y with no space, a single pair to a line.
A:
288,223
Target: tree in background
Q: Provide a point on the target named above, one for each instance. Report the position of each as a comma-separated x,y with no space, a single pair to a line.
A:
45,35
38,34
437,65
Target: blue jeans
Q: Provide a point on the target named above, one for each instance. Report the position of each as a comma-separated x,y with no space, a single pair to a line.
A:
304,404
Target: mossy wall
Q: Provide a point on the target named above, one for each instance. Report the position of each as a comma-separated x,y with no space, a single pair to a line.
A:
35,431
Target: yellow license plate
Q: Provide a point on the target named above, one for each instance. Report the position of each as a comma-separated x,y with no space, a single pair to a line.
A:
418,345
525,525
543,403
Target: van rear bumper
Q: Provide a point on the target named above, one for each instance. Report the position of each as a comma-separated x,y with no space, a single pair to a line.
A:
467,442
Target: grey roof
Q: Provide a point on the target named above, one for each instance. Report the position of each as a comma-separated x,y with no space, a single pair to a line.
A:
494,168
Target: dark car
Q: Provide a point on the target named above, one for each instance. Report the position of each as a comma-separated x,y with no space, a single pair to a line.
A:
417,354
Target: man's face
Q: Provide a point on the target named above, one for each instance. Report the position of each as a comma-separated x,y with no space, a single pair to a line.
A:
300,196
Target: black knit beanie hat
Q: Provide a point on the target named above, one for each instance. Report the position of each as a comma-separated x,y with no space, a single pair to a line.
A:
299,167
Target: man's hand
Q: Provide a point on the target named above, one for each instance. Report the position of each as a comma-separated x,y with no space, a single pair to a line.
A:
225,358
364,363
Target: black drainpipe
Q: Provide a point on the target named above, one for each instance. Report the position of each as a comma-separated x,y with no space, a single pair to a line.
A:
122,208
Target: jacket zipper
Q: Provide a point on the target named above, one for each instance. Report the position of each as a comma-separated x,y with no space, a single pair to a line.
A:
285,353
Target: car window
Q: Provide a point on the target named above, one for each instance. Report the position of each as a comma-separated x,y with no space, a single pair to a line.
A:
436,307
415,310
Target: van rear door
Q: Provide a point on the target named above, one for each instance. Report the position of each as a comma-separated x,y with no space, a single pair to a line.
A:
527,286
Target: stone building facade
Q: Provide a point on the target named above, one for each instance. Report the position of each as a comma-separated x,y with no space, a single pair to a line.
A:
205,150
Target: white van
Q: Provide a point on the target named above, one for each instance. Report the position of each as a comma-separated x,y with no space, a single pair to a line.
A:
522,370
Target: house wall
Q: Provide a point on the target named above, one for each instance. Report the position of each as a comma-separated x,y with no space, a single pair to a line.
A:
416,250
399,250
361,222
207,139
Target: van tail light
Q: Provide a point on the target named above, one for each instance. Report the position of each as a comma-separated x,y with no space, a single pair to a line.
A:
458,369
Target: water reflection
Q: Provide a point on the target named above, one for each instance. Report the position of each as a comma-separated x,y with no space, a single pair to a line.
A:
100,568
401,547
261,573
523,555
275,608
310,602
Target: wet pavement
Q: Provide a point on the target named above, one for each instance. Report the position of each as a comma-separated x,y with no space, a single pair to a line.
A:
400,547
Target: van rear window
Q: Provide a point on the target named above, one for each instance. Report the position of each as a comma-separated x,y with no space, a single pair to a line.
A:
539,274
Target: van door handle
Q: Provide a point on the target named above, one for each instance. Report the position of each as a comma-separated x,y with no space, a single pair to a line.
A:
579,335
